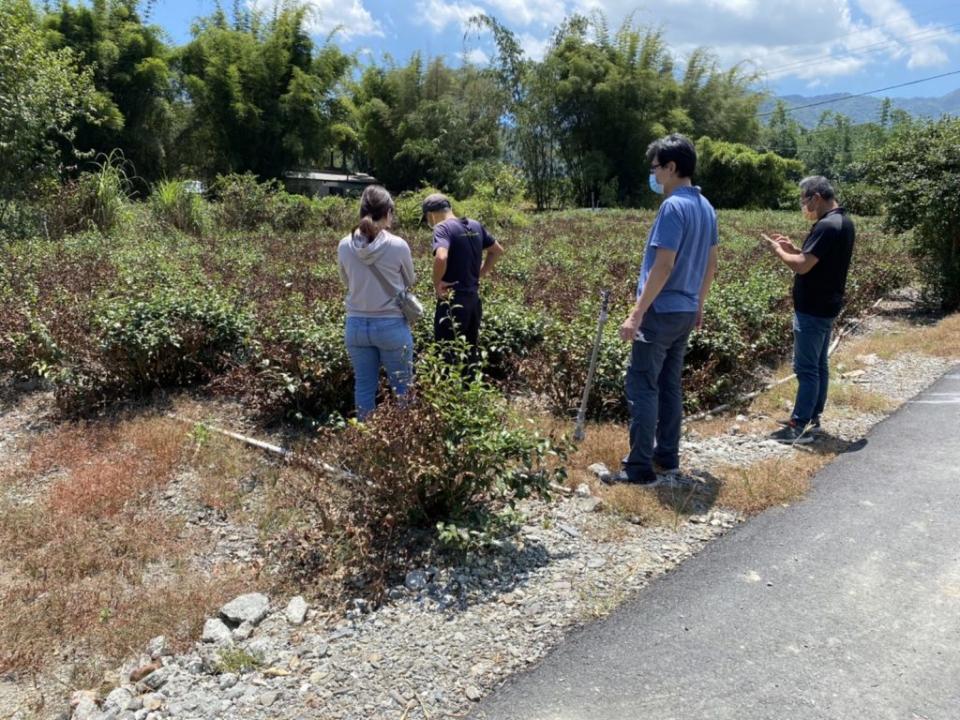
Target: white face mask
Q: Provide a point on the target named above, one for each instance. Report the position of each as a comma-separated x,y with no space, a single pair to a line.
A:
654,185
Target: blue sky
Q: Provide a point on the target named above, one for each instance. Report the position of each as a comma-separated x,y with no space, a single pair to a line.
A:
800,46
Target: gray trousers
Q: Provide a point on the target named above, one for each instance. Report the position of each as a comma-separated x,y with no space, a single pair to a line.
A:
653,391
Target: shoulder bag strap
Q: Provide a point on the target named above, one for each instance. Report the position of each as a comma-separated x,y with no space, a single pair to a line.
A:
389,289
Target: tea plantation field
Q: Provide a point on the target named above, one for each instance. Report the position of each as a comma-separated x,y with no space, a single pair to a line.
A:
258,313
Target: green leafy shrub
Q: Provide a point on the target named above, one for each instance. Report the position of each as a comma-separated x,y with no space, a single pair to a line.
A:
292,213
747,323
170,336
501,181
164,337
174,202
485,207
302,370
510,332
243,202
861,198
919,171
338,213
558,370
738,176
448,453
27,347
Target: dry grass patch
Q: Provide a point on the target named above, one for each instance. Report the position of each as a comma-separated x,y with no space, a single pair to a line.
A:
222,468
665,506
101,467
753,488
940,340
778,399
859,399
93,568
608,443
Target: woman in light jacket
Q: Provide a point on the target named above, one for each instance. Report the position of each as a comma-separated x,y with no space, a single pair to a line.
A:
376,331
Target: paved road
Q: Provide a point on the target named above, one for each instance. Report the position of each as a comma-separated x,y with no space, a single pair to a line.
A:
845,606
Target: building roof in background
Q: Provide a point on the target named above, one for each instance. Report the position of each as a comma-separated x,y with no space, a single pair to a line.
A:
359,178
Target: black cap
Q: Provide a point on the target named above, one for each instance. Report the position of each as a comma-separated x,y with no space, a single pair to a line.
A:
434,203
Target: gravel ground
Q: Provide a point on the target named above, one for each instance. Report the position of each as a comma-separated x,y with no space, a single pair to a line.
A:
448,635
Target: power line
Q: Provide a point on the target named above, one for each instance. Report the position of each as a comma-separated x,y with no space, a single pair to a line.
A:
868,92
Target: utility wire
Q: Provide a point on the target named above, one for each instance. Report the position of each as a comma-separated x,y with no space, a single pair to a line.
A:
856,95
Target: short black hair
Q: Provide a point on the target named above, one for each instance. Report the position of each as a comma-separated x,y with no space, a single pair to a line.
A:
677,149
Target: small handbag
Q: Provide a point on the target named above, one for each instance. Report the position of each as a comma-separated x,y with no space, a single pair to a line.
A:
409,304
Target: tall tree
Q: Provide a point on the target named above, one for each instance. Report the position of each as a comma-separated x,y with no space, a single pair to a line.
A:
528,118
611,97
262,97
782,134
131,109
424,124
42,93
720,104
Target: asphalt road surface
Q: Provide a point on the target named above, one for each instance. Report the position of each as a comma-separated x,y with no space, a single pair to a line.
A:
845,605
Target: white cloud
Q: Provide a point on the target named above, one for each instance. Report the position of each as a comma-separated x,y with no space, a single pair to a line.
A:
349,17
786,38
475,57
923,44
528,12
438,14
534,47
780,38
515,14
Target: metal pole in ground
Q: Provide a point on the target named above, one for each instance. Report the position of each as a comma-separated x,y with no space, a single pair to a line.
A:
578,432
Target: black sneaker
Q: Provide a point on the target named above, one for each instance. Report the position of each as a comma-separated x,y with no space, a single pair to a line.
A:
664,470
813,425
646,478
793,434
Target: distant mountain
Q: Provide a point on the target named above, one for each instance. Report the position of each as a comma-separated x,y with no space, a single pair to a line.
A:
864,108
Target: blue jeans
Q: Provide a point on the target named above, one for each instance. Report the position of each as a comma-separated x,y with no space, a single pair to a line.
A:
811,342
653,391
370,343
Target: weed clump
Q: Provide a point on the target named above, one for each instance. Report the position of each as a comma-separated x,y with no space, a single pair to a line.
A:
449,455
175,203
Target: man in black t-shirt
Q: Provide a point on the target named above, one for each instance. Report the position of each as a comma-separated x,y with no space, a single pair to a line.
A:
821,267
463,252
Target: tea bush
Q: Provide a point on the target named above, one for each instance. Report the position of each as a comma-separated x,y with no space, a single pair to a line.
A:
302,370
861,198
114,317
293,213
338,213
511,332
158,338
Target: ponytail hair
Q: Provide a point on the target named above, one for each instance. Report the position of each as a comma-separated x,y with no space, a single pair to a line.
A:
375,206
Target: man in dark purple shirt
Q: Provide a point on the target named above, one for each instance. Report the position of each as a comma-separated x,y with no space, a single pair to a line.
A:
463,252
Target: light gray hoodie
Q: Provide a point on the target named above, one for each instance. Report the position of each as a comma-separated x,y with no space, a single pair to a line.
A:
365,294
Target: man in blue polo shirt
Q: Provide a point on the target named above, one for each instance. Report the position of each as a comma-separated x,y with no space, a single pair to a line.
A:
678,268
463,252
